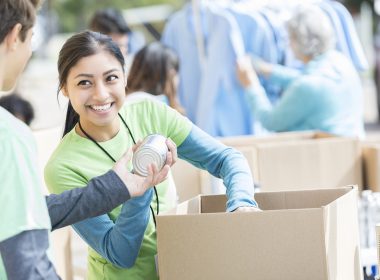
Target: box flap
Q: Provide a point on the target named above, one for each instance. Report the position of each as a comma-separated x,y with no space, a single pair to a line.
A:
342,237
248,140
299,199
192,206
279,200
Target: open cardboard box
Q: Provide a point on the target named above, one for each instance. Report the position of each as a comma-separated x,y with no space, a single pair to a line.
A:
284,161
310,234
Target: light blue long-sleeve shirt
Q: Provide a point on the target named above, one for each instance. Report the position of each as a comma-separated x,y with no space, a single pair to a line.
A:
119,242
326,96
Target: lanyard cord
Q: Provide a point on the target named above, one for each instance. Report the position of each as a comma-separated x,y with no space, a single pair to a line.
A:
111,157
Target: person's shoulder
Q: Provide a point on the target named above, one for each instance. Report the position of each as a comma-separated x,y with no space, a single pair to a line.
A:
60,169
308,85
138,96
12,129
142,104
338,60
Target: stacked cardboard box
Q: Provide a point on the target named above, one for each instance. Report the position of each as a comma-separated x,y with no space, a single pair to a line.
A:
371,165
306,160
285,161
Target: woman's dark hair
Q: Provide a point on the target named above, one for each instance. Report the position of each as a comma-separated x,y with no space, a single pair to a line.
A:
75,48
151,71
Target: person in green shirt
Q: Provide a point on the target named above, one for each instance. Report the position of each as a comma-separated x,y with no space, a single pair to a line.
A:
100,126
26,215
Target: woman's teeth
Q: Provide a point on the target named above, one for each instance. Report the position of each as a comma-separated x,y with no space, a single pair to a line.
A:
101,107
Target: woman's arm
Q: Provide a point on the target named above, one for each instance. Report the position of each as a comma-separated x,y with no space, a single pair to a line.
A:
203,151
295,105
119,242
106,191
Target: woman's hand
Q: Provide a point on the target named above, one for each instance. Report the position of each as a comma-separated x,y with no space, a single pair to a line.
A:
247,209
136,184
172,153
246,74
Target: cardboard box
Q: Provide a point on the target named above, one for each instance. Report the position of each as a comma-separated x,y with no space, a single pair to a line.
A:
299,235
307,160
371,165
284,161
187,179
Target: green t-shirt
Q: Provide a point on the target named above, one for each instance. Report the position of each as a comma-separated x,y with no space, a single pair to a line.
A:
21,196
76,160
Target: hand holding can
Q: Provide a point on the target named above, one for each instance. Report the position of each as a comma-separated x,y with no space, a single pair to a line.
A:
153,149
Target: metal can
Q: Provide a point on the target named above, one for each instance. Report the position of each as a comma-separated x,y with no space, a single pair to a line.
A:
153,149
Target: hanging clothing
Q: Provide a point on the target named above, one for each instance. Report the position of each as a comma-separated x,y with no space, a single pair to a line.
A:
210,90
179,34
259,40
347,40
222,110
355,49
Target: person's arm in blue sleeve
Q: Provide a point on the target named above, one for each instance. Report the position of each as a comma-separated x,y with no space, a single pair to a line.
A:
119,242
293,108
203,151
295,105
275,73
283,76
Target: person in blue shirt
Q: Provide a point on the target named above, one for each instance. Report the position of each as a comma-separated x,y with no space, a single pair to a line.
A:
325,95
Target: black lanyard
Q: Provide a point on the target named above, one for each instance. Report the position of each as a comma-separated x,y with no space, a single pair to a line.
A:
111,157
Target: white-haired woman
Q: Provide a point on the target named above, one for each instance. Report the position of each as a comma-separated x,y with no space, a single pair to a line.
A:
326,95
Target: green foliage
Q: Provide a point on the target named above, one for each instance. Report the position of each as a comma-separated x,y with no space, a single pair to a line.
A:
74,15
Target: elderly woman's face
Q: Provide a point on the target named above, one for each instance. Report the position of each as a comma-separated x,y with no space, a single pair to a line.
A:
294,46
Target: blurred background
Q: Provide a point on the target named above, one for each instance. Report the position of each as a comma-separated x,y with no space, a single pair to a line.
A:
59,19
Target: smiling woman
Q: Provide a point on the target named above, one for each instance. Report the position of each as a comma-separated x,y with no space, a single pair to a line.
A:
100,128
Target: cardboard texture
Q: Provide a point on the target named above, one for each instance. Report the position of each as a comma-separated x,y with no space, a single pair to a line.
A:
284,161
310,234
187,179
371,165
307,160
